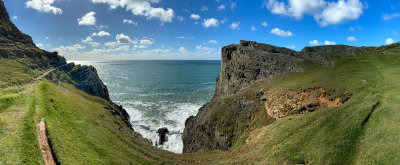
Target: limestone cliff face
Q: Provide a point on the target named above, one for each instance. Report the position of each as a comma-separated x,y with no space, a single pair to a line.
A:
248,61
227,116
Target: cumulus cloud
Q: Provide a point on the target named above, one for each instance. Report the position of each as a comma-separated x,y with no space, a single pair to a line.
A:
101,34
389,41
388,17
314,43
44,6
195,16
39,45
221,7
182,49
212,41
87,19
146,42
212,22
351,39
142,8
128,21
69,49
339,12
123,39
235,26
281,33
329,42
291,47
90,41
15,17
324,12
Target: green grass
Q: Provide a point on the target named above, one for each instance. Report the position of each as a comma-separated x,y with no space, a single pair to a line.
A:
14,73
83,131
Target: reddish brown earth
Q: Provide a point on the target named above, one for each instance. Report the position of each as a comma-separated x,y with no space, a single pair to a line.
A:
44,145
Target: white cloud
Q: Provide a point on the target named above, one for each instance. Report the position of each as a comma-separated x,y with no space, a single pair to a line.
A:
264,24
339,12
204,8
295,8
212,22
146,42
202,48
253,28
90,41
314,43
128,21
281,33
351,39
195,16
235,26
87,19
224,20
111,44
388,17
324,12
221,7
141,7
101,34
329,42
180,18
43,6
39,45
233,5
389,41
123,39
212,41
182,49
291,47
69,49
15,17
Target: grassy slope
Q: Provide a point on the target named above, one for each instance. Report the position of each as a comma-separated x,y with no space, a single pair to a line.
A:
82,131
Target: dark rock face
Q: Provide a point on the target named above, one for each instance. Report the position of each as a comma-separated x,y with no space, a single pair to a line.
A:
248,61
162,133
83,77
222,120
16,45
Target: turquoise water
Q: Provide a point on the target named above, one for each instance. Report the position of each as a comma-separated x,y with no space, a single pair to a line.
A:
159,93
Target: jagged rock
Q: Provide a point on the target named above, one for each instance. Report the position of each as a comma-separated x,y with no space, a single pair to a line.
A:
83,77
162,134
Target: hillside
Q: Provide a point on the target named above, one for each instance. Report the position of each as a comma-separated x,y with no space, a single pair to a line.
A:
322,105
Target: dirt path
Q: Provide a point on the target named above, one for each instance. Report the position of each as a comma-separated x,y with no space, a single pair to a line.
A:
41,76
44,145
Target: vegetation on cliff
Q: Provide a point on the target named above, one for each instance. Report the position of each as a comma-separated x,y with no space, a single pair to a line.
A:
84,127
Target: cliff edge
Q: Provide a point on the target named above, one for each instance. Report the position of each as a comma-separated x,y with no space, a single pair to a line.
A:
220,122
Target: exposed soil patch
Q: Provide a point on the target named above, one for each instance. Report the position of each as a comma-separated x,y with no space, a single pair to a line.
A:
44,145
280,103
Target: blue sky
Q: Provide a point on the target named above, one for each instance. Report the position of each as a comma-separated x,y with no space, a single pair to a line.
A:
188,29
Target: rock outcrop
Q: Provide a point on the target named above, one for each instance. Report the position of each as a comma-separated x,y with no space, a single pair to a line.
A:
83,77
220,122
162,134
16,45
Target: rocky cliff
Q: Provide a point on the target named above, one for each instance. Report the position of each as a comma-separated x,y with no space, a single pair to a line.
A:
221,122
18,46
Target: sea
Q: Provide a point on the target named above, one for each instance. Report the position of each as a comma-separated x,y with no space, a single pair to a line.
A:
159,94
